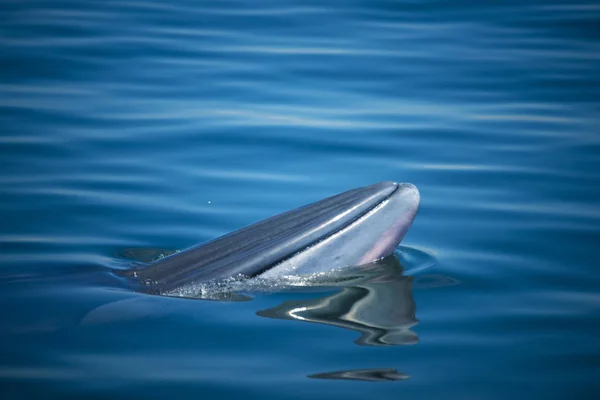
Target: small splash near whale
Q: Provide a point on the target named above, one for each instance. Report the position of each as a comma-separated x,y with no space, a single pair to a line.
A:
144,255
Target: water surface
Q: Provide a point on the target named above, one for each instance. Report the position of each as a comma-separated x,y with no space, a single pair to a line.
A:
152,125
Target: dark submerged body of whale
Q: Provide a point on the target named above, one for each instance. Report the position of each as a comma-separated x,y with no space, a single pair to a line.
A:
352,228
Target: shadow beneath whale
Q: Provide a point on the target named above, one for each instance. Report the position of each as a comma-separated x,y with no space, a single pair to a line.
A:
366,375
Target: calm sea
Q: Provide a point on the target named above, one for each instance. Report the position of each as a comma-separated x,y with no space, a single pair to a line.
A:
134,128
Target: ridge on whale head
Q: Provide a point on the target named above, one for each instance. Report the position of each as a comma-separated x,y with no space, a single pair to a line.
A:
348,229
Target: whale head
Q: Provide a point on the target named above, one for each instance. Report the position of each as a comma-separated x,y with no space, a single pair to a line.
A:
373,235
352,228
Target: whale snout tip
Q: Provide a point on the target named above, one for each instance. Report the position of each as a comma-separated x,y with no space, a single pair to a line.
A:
406,200
409,193
408,189
404,193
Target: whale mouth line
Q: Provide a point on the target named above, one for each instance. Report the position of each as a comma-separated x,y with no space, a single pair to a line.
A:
365,214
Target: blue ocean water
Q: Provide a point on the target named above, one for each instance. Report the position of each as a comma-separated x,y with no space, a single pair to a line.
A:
129,126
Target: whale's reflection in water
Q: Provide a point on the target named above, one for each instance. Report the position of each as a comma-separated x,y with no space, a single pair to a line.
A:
375,300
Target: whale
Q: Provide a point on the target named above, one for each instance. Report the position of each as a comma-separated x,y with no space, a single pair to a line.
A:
352,228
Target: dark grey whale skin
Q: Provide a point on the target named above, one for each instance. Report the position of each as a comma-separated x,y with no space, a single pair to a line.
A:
252,250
